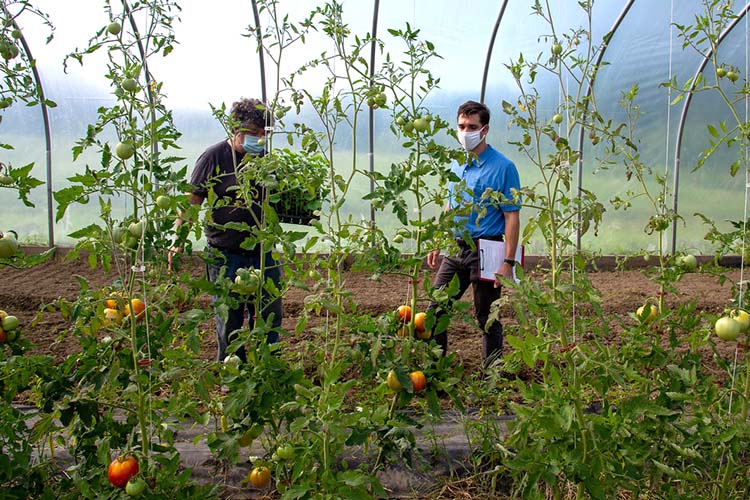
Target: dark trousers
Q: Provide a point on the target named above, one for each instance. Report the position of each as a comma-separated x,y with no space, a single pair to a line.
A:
466,267
225,330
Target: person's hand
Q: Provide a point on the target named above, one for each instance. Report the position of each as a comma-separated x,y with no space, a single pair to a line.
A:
172,255
506,271
433,259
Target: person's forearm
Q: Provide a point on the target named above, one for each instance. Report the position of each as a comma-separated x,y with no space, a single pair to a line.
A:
182,216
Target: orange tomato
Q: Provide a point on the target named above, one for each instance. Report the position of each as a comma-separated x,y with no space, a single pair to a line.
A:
418,381
259,477
424,334
112,316
419,320
404,314
137,306
403,332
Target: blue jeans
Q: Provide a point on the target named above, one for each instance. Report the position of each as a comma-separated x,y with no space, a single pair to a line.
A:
226,330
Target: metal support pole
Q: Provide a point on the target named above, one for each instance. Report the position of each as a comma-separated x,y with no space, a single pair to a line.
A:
371,154
587,99
683,117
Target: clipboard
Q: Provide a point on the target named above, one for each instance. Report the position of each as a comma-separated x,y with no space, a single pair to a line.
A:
491,257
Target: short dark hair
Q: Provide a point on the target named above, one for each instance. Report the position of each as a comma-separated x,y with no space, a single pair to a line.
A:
247,112
475,108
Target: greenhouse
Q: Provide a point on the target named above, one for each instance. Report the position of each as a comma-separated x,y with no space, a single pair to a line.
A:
253,223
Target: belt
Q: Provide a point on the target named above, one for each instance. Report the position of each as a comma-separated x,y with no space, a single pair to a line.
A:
463,244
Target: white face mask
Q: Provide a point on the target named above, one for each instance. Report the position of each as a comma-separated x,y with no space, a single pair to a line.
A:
470,140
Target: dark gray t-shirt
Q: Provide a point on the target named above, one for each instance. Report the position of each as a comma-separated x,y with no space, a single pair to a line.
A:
215,170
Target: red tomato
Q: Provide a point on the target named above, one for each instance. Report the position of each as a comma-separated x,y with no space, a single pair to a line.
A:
121,470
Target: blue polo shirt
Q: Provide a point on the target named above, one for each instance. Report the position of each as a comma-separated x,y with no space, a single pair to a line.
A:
493,171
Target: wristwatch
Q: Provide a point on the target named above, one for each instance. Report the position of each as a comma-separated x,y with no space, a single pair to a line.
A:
511,262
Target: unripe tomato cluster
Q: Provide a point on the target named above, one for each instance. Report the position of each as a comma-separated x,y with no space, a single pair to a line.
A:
129,237
247,281
730,326
420,124
8,48
8,327
376,98
731,73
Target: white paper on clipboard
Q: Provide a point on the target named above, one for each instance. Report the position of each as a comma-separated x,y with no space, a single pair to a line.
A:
491,257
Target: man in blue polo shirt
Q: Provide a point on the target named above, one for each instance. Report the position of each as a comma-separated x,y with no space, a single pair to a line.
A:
480,217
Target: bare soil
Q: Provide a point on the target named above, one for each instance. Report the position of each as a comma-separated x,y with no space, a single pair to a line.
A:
24,292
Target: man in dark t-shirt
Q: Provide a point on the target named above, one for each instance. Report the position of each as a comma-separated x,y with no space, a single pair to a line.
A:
215,171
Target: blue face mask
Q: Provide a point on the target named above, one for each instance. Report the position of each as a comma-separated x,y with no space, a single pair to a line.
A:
252,145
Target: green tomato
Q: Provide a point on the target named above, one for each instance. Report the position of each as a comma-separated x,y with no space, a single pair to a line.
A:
742,317
11,336
129,85
421,125
136,229
114,28
118,234
163,202
285,452
16,33
10,323
732,75
408,126
8,246
557,49
124,150
727,328
557,118
135,486
233,360
688,262
131,241
721,72
9,52
6,180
